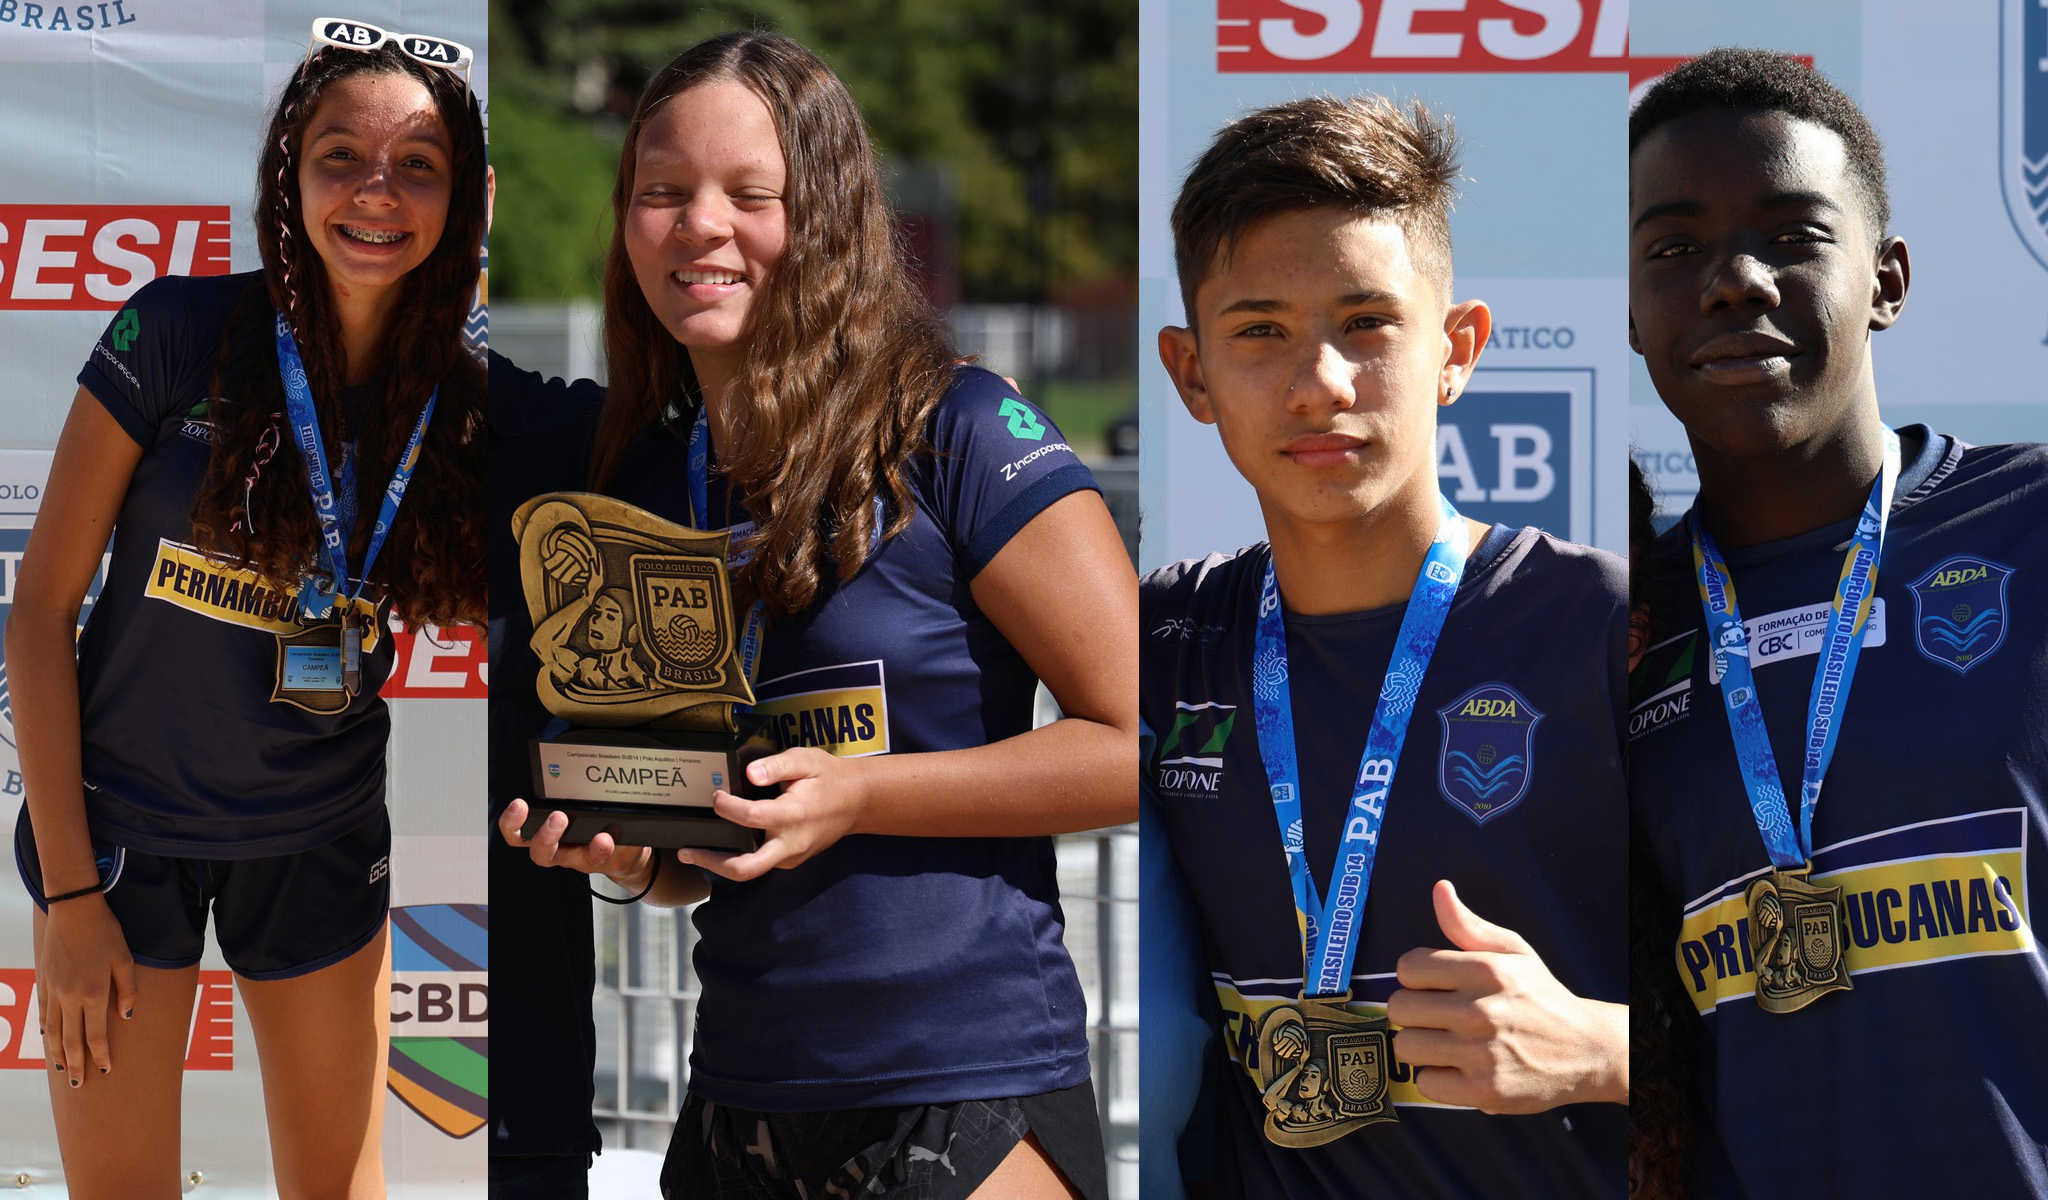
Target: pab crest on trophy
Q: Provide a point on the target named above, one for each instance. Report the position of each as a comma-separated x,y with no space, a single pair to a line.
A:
632,615
634,626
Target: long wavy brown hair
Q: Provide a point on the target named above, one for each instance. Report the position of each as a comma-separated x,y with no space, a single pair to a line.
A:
433,561
844,358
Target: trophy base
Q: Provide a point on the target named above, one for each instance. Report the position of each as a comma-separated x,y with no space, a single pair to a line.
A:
642,787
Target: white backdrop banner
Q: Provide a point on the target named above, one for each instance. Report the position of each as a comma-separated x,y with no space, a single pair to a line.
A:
129,152
1538,94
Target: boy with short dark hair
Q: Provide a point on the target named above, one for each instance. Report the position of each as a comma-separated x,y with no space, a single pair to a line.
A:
1387,700
1846,605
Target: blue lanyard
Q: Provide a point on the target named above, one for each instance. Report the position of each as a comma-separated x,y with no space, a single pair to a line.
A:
1728,640
700,516
1330,935
316,601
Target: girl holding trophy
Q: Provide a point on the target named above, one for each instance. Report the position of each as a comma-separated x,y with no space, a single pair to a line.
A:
922,547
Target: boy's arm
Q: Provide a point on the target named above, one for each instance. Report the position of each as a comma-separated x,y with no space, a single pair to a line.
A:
1175,1036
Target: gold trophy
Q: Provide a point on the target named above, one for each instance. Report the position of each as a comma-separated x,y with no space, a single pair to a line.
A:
640,651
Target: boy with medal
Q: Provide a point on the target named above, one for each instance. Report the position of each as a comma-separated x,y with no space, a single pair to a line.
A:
1845,605
1424,712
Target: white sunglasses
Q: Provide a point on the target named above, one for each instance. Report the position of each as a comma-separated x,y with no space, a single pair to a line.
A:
453,57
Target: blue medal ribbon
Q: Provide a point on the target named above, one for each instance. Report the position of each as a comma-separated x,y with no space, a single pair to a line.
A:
700,517
1330,934
317,592
1728,640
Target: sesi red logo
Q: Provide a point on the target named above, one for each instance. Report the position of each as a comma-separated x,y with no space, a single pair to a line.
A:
95,256
445,664
1558,36
212,1044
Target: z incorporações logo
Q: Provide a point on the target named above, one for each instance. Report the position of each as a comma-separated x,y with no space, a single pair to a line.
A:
1024,424
127,327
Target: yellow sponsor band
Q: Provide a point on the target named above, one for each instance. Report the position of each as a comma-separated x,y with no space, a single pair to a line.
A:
847,723
1899,914
1241,1018
189,579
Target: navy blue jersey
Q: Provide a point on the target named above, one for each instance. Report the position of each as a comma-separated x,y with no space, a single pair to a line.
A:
1509,785
541,940
185,752
895,970
1929,1078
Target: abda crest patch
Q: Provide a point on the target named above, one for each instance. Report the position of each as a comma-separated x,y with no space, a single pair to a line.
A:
1489,747
1959,611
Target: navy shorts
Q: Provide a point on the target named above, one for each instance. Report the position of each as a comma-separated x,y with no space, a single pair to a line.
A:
275,918
920,1152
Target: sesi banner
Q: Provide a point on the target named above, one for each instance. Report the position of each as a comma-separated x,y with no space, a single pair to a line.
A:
447,664
95,256
1555,36
210,1047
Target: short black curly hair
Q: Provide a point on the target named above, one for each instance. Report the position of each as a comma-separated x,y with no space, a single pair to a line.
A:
1731,77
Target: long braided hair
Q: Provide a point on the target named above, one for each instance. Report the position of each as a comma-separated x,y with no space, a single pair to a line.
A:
845,359
253,506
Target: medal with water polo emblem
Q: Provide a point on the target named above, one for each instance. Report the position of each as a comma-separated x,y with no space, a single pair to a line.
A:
1795,939
1323,1071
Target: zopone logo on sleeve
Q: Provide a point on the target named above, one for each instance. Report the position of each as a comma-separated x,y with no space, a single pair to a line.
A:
1421,35
95,256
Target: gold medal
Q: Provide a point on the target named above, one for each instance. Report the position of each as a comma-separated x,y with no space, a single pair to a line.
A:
1796,940
1322,1071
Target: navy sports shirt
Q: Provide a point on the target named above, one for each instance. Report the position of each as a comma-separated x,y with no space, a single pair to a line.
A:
185,753
1534,842
1930,1077
896,970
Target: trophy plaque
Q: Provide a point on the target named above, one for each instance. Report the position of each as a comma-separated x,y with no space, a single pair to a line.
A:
639,647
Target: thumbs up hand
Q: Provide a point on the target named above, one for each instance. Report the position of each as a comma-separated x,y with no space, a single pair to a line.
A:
1488,1026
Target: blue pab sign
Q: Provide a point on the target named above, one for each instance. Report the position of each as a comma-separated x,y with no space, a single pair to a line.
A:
1489,750
1959,612
2023,121
1506,456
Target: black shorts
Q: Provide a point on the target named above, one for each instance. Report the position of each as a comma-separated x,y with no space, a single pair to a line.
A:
920,1152
275,918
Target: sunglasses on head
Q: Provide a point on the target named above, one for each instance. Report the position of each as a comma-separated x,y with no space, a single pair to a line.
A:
453,57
